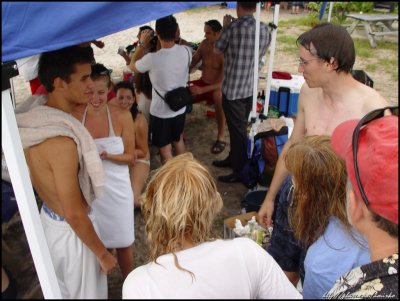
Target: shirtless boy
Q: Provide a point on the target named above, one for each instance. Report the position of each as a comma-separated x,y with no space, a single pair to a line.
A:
208,87
329,96
80,259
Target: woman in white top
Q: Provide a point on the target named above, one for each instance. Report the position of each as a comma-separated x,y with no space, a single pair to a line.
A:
113,132
186,260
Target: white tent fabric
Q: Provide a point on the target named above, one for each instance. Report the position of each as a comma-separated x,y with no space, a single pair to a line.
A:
30,28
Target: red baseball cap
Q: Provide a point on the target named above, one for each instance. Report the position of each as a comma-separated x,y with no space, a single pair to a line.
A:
378,162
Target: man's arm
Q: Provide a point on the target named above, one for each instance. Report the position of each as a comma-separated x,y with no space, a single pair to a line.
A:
196,90
196,56
63,160
98,43
142,49
125,55
222,43
281,173
141,136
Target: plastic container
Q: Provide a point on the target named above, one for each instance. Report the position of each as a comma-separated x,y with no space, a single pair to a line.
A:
285,94
127,74
210,113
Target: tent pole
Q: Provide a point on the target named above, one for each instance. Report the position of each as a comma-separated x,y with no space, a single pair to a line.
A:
271,59
253,112
330,11
21,182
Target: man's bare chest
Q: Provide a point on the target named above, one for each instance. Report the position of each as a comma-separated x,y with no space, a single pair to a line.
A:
210,59
323,122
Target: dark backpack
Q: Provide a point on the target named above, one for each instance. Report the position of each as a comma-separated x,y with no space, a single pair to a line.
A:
251,170
255,170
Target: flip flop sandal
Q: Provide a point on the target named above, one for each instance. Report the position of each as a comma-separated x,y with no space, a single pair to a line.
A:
218,147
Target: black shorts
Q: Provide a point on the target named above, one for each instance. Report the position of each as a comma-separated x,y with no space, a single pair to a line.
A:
166,130
284,247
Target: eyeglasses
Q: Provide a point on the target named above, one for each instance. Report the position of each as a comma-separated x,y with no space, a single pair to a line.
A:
305,62
373,115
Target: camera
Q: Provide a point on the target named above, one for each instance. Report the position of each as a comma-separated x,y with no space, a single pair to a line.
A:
153,41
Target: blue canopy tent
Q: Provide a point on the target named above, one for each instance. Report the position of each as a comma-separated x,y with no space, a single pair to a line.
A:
30,28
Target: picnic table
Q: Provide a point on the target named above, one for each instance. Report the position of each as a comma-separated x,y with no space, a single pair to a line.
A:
374,25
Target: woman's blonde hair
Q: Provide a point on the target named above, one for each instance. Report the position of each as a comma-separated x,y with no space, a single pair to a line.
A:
180,203
319,178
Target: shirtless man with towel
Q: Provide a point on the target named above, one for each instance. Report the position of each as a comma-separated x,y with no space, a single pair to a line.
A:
66,171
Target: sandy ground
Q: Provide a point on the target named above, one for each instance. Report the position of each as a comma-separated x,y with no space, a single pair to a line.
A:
200,131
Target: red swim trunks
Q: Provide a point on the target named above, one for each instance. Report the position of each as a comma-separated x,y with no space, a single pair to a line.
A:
208,96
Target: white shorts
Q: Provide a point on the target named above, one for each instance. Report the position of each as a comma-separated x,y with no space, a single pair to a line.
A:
76,266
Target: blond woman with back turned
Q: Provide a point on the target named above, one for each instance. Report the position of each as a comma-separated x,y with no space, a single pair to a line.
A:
186,260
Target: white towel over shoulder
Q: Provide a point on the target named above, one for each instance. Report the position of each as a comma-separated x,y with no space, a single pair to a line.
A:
37,122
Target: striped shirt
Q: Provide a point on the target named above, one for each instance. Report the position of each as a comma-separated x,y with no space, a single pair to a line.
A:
237,42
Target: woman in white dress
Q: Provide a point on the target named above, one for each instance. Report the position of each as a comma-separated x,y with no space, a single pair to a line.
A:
113,131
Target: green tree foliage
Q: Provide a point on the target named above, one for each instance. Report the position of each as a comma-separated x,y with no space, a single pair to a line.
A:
340,9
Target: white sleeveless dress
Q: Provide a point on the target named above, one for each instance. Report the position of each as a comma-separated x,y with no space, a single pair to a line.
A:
114,210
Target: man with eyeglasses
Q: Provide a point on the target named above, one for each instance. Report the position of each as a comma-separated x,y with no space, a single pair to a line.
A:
329,96
370,148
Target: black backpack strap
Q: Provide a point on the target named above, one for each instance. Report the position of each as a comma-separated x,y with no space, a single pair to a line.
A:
158,94
188,63
188,73
188,58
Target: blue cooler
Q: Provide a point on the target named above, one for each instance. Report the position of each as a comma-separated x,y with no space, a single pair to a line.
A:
285,94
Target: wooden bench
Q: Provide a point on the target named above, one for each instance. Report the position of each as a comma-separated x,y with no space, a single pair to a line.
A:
384,6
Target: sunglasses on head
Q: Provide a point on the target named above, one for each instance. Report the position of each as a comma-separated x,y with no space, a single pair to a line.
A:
99,69
373,115
105,72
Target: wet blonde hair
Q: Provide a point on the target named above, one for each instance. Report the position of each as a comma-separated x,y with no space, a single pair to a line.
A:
319,178
181,202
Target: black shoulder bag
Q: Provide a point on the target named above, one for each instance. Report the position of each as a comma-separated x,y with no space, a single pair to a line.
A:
179,97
